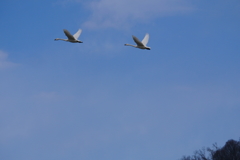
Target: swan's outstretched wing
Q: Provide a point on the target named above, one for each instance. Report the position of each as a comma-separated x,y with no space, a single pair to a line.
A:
145,39
77,34
136,40
68,34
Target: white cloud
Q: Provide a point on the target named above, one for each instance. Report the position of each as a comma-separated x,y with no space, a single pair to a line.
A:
124,13
4,63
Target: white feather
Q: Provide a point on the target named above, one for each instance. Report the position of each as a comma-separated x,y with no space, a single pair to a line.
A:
145,39
77,34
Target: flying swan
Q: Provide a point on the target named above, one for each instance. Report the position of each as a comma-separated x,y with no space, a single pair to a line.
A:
71,38
141,45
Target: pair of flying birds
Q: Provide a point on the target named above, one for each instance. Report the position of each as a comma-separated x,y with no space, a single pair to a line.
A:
74,39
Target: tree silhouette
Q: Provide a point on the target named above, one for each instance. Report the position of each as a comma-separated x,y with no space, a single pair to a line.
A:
230,151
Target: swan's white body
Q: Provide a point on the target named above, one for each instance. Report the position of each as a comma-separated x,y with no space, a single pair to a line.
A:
71,38
140,44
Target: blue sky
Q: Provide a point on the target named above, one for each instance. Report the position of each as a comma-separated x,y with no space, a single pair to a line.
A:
103,100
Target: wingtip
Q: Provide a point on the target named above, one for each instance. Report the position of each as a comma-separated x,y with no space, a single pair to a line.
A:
133,36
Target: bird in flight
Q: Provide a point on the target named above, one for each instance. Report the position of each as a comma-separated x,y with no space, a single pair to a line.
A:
140,44
71,38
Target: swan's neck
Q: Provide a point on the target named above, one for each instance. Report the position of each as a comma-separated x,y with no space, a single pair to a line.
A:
61,39
130,45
